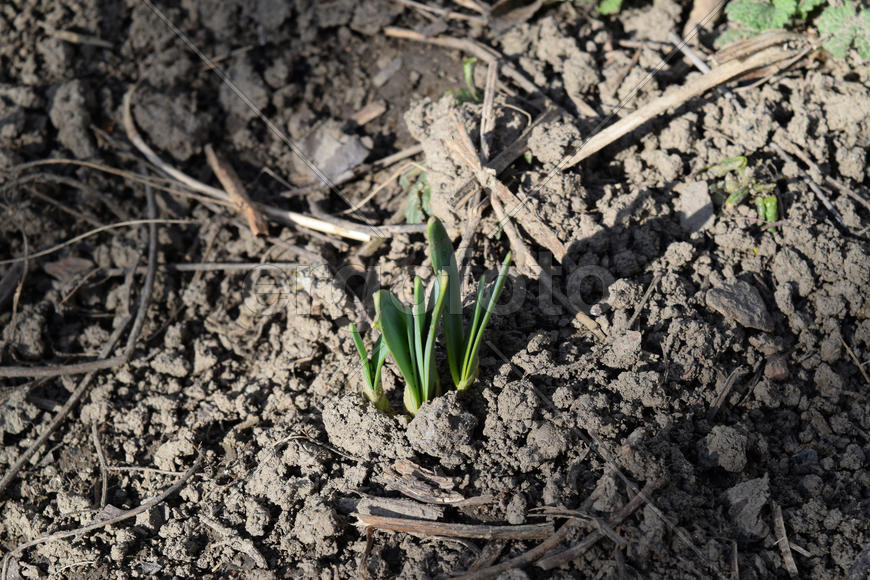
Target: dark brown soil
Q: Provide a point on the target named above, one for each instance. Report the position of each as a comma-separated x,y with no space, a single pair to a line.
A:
778,321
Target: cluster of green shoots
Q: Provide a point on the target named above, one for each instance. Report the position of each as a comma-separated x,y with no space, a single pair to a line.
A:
840,24
409,334
739,183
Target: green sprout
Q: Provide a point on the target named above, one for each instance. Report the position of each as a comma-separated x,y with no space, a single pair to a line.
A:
463,345
608,7
372,370
419,194
604,7
470,93
739,182
410,337
409,334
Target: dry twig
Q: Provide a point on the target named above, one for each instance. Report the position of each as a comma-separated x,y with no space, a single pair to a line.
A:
104,523
479,532
487,116
527,260
782,540
487,178
449,14
646,296
330,226
144,301
574,552
674,99
236,190
104,477
856,361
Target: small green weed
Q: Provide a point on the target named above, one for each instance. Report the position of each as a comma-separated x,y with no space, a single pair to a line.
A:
416,184
470,92
605,7
739,183
840,24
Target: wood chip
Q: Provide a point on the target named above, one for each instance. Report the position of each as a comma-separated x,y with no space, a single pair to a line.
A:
236,190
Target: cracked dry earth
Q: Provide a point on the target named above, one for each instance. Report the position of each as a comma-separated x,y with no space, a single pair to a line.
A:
732,382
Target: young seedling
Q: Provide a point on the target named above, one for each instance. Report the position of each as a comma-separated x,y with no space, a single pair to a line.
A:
416,183
470,93
463,344
410,337
372,367
739,183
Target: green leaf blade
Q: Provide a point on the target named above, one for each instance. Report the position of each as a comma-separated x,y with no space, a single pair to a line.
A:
493,299
439,291
467,359
608,7
394,322
443,258
838,22
760,15
361,349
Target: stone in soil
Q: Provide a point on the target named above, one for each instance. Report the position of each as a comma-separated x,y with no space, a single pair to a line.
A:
740,302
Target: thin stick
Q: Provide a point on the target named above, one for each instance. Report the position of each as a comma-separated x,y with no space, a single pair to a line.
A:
94,232
527,557
144,301
726,390
207,267
475,48
236,190
782,540
104,476
364,559
816,189
856,361
16,297
735,562
449,14
532,265
350,174
672,100
381,186
487,117
110,522
534,225
238,543
161,184
479,532
143,469
525,261
646,297
475,214
332,226
64,411
843,189
78,38
574,552
796,150
148,284
9,282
